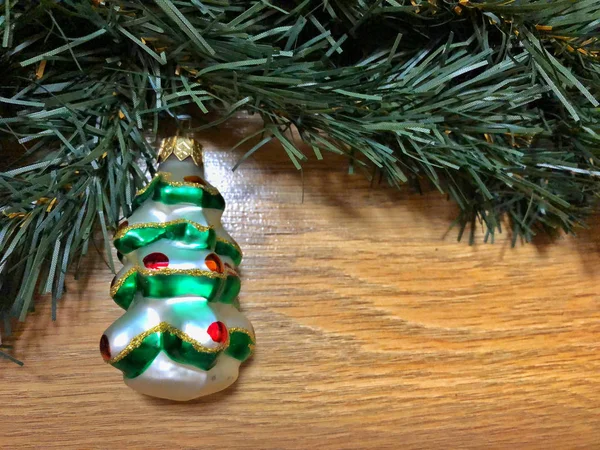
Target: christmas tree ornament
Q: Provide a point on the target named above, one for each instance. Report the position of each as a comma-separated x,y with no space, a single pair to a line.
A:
182,335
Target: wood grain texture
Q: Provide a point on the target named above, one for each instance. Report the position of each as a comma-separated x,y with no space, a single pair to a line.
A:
375,329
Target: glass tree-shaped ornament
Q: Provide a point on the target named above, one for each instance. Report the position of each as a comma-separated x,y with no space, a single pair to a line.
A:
182,335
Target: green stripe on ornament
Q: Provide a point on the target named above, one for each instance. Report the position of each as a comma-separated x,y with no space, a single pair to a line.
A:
171,193
241,344
123,291
225,248
139,359
184,352
231,289
192,234
181,348
166,283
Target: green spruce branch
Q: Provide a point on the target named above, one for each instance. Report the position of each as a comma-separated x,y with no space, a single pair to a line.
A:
493,102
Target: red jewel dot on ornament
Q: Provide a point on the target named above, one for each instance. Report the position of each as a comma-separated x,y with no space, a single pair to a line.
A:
105,348
194,179
214,263
156,261
123,225
217,332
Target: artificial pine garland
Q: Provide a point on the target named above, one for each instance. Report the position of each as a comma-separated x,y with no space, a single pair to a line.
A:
494,102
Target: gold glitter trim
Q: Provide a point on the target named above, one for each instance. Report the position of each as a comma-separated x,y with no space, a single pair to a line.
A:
231,270
232,243
115,287
182,148
241,330
166,271
193,272
152,181
122,232
164,327
247,333
166,178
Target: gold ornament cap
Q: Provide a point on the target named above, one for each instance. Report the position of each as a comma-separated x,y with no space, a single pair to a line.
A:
182,148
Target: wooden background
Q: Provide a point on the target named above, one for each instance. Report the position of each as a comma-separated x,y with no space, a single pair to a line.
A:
375,328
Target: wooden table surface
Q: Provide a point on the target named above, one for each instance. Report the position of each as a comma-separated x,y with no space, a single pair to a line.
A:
375,329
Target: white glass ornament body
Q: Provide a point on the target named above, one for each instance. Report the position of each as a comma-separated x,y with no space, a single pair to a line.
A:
165,378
